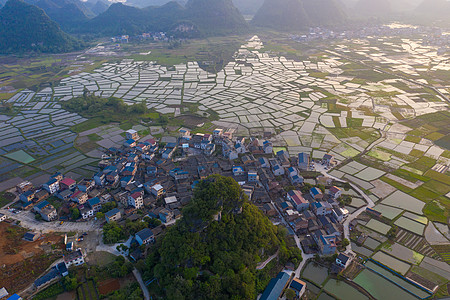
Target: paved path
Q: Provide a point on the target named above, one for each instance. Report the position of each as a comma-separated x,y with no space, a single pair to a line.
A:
263,264
27,219
142,284
113,250
356,213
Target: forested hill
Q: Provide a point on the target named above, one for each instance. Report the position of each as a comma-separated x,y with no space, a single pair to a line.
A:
203,257
202,17
24,27
299,14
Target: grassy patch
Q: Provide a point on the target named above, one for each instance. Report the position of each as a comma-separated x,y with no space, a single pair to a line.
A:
397,185
413,139
410,176
6,198
438,176
354,122
424,194
437,186
367,134
378,154
434,211
416,153
89,124
423,164
434,136
94,137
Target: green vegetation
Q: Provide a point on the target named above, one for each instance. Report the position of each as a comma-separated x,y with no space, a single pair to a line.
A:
113,233
367,134
131,292
6,198
434,211
199,17
218,258
51,291
35,32
101,111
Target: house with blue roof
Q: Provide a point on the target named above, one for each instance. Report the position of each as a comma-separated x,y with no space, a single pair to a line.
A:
100,178
14,297
152,171
275,287
95,204
51,186
168,153
298,286
27,196
113,215
40,206
145,236
238,171
303,161
277,170
130,143
322,208
264,162
268,147
316,193
126,181
296,179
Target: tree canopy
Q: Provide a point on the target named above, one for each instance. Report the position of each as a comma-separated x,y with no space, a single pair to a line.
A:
208,257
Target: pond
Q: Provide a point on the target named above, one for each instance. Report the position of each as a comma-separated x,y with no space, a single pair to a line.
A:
342,290
398,280
315,273
381,288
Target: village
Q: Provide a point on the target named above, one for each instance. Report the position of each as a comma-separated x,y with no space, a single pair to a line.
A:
147,178
330,156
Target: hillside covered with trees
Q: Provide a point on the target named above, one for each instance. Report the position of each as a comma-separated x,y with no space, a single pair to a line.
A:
213,251
24,27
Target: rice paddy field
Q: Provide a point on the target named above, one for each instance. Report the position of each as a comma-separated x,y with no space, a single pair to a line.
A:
391,262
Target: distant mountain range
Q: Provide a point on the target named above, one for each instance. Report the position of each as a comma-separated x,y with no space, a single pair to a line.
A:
25,27
202,17
299,14
433,10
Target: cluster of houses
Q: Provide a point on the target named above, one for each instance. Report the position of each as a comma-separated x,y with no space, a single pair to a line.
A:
141,175
152,36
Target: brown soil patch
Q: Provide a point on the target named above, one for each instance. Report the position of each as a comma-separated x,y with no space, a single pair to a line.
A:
107,286
14,249
21,262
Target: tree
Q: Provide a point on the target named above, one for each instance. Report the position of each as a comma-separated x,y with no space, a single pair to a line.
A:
38,217
345,242
290,294
228,248
112,233
392,232
100,215
74,213
70,283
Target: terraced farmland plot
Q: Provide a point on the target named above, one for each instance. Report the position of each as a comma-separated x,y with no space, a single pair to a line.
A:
405,201
398,280
410,225
416,243
370,174
378,226
381,288
403,253
391,262
343,290
388,212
